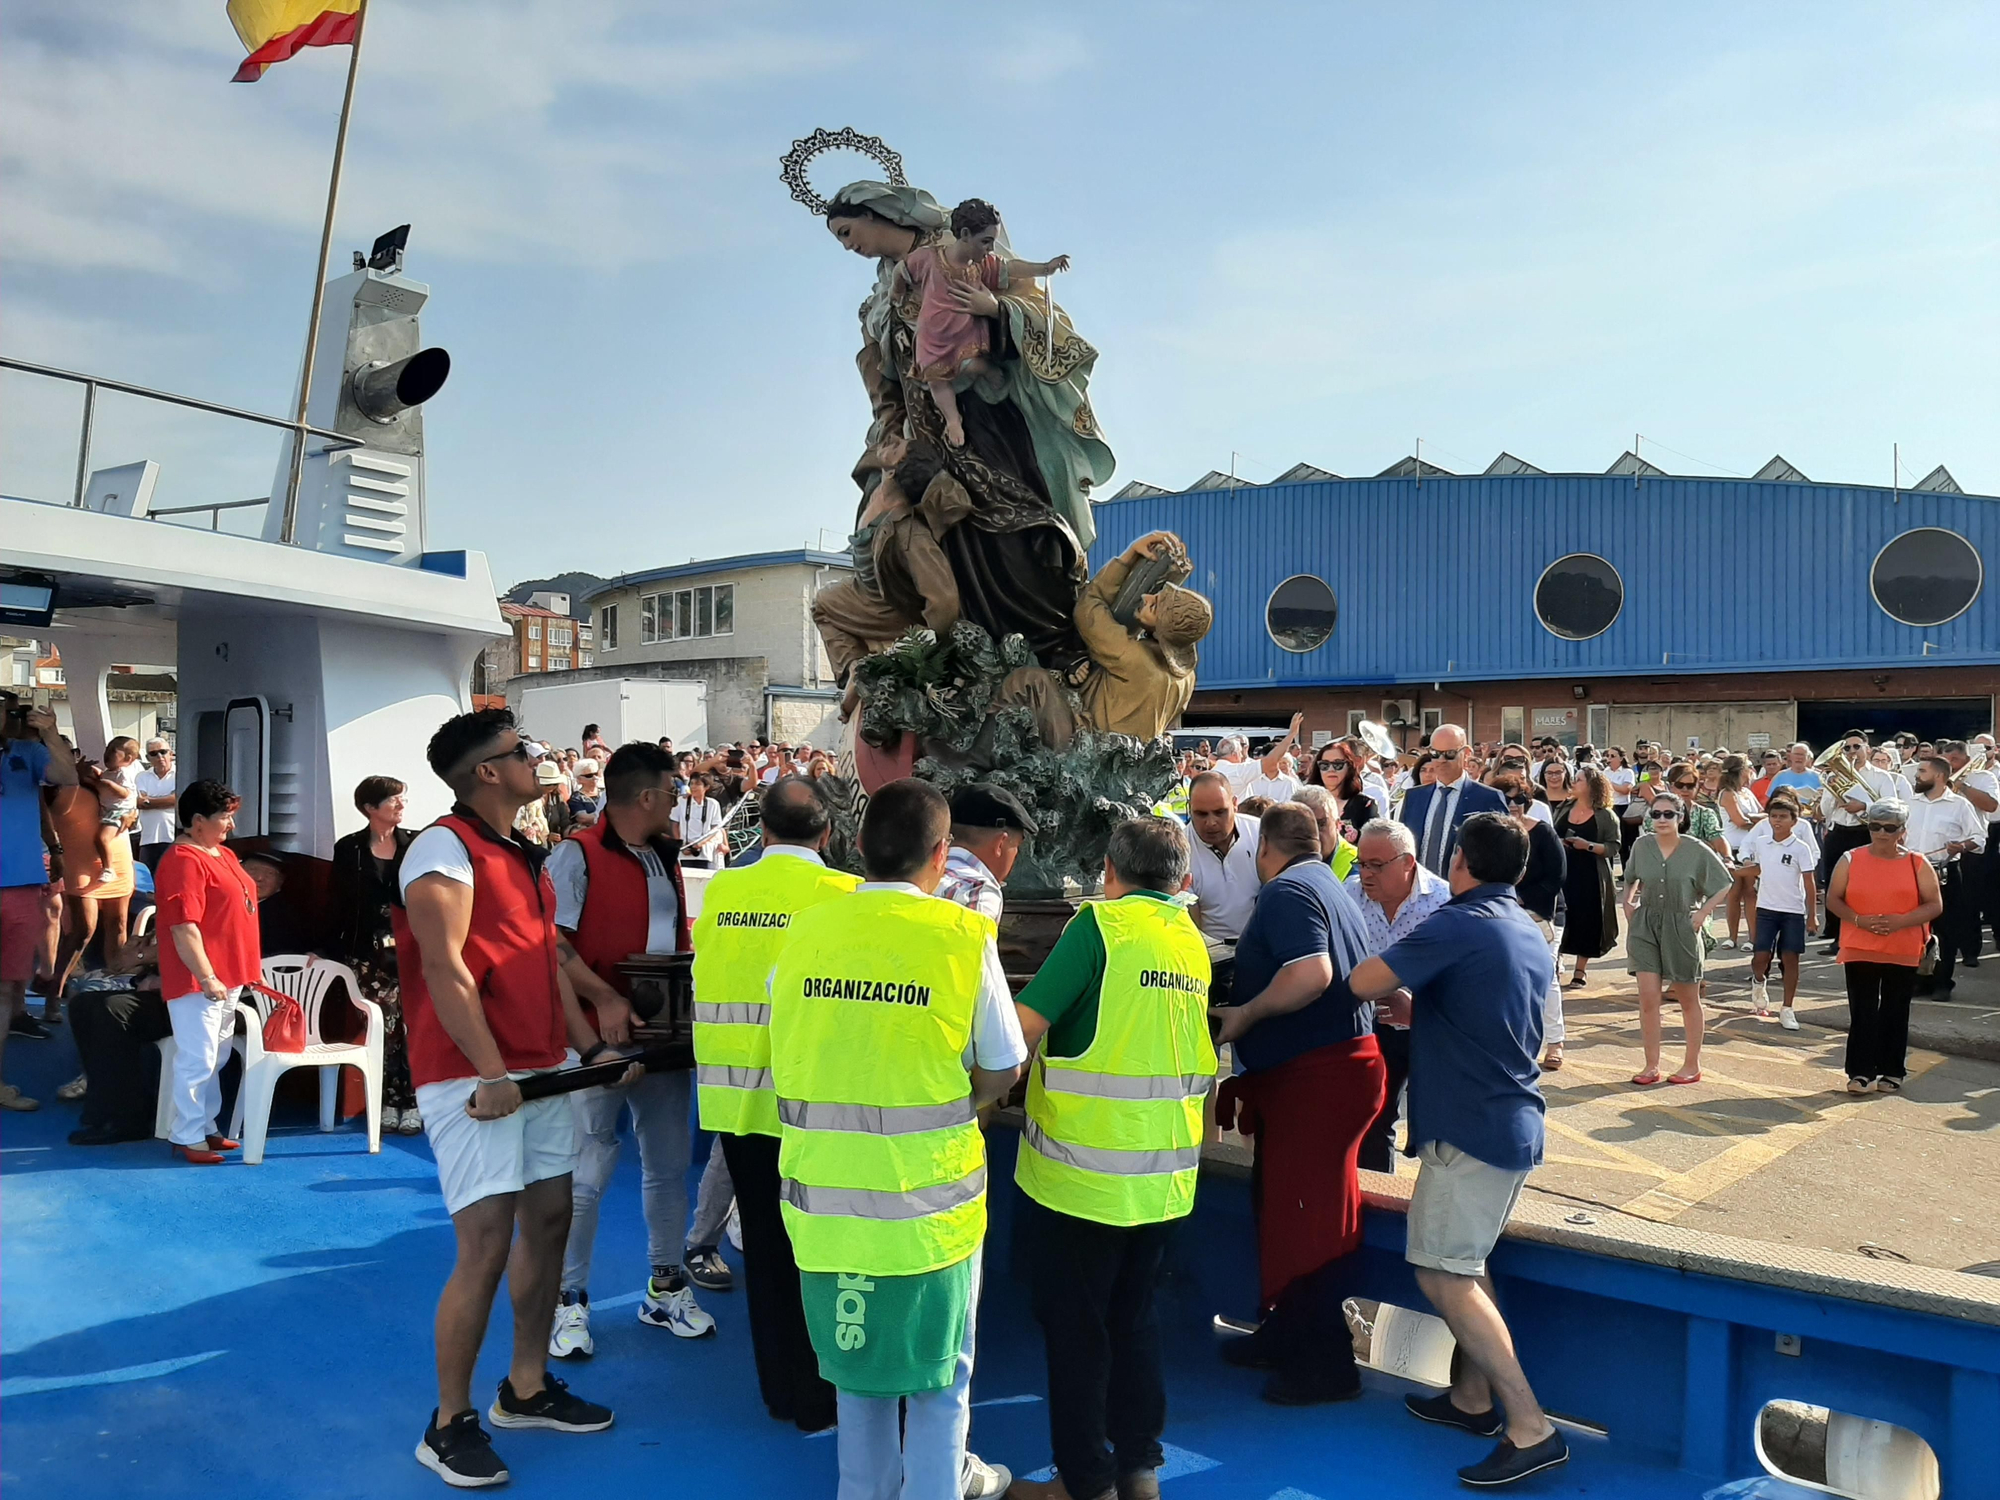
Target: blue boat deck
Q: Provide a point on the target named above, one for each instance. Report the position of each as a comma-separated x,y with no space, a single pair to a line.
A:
265,1332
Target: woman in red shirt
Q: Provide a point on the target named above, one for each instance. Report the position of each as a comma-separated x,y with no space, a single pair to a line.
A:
208,913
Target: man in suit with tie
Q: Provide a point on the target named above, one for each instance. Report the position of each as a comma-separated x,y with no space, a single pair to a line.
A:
1435,813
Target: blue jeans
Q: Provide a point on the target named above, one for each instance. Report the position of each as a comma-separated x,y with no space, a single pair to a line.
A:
659,1105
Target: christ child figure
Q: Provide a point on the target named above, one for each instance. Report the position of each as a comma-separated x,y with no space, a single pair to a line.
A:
950,340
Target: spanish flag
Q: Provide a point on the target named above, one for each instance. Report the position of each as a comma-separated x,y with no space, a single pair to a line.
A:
274,29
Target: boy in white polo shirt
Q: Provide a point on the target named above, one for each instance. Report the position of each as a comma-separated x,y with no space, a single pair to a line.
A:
1784,856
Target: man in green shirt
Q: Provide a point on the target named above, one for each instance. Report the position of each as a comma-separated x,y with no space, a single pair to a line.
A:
1109,1154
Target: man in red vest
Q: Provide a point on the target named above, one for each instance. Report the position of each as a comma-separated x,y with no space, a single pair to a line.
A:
618,892
486,1004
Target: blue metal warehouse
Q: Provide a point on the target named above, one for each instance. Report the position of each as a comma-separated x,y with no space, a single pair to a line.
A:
1602,607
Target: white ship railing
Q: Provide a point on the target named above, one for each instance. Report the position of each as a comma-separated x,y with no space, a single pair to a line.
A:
92,384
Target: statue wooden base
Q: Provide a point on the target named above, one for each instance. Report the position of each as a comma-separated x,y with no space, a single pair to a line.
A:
1028,930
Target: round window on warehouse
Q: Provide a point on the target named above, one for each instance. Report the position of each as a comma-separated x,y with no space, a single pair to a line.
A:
1301,613
1579,596
1926,577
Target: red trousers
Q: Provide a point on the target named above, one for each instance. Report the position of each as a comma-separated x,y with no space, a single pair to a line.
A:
1308,1116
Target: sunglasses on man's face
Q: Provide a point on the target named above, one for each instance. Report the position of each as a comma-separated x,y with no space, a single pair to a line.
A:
519,752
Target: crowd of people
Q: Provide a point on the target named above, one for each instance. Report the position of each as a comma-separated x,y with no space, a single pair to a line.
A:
1349,942
848,1031
1680,857
708,786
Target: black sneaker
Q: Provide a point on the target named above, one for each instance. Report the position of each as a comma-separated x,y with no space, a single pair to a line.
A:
462,1454
28,1028
1446,1412
1506,1464
552,1407
708,1270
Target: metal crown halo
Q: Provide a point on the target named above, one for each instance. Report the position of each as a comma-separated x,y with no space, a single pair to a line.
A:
792,165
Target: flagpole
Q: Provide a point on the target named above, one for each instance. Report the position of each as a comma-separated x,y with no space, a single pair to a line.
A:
319,284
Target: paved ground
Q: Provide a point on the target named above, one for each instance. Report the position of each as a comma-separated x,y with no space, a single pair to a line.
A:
1769,1146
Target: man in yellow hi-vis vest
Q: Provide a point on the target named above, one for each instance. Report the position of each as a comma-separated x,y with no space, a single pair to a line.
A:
746,915
1109,1155
891,1024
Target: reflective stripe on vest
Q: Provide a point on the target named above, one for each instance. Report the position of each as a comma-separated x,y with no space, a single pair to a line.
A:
746,917
1119,1163
870,1203
883,1167
732,1013
716,1076
1114,1135
874,1119
1063,1080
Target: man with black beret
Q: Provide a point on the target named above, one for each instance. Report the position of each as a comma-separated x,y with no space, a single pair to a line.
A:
988,827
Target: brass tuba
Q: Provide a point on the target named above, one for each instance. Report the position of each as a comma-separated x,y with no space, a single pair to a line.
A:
1836,774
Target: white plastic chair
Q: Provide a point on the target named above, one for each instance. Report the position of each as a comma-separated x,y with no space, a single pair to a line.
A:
307,980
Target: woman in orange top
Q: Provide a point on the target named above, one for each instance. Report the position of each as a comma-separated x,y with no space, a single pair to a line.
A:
1885,898
96,895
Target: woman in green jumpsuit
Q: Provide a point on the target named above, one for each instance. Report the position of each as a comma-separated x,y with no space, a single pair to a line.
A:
1672,883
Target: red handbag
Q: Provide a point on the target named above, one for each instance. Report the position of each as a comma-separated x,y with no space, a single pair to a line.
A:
285,1027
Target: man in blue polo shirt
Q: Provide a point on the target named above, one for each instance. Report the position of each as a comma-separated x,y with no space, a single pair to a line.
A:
1470,981
1312,1083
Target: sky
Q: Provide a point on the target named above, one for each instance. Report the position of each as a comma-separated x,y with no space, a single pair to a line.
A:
1313,232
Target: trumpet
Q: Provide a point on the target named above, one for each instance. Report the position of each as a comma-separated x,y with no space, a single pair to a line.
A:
1976,761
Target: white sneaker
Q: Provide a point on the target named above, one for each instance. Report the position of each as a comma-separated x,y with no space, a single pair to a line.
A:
570,1338
75,1089
392,1120
412,1122
1788,1018
979,1480
733,1230
671,1305
1760,996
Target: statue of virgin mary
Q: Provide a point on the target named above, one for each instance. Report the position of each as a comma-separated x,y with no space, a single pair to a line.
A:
1032,452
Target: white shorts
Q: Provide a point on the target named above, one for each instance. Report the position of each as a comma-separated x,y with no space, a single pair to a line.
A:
481,1158
1457,1209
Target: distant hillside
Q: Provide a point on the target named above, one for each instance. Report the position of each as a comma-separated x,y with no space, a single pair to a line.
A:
576,585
